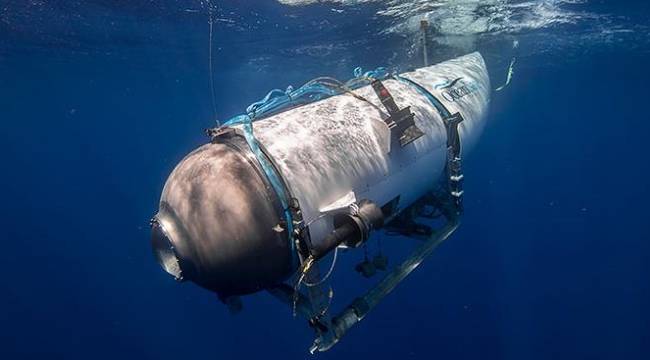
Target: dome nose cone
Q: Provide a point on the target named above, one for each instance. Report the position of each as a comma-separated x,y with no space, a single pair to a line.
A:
216,223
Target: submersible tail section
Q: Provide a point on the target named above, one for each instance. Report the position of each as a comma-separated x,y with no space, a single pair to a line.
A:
278,188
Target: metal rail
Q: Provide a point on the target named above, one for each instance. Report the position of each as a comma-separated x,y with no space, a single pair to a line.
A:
360,307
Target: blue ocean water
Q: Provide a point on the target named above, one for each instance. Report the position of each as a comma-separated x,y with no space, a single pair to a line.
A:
100,99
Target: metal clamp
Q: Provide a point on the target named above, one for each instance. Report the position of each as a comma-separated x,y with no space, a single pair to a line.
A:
401,121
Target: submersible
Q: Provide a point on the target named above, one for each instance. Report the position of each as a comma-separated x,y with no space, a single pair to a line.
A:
273,192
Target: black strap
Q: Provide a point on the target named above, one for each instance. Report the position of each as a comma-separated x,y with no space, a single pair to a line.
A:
454,161
385,97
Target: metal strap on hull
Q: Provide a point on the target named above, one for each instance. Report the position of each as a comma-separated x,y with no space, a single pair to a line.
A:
293,223
453,167
401,121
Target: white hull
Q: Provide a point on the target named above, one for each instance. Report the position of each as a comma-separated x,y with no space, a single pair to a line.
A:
336,150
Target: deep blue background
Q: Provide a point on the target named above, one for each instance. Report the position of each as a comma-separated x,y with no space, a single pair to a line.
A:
552,260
